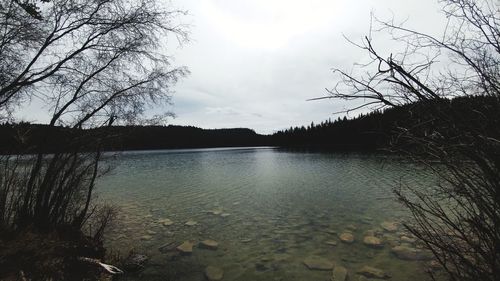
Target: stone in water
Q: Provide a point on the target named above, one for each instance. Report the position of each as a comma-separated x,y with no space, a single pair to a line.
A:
372,272
331,243
372,241
318,263
146,237
347,237
214,273
209,244
339,273
389,226
186,247
166,222
412,254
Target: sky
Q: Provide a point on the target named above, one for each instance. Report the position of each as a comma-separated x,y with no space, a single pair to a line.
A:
255,63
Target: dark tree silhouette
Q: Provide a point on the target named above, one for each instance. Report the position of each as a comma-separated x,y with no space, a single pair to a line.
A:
458,219
92,64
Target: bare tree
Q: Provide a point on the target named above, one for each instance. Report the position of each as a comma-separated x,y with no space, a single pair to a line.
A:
92,64
458,219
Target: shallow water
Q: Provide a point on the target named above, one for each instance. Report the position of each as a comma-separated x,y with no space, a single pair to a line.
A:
267,208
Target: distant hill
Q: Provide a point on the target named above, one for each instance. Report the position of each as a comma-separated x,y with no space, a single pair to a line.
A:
373,131
24,137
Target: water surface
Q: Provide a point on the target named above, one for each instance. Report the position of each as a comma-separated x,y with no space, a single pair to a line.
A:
267,208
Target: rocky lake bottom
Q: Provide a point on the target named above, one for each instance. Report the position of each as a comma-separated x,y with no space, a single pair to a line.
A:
261,214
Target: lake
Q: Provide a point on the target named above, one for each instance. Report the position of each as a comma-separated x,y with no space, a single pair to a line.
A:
272,214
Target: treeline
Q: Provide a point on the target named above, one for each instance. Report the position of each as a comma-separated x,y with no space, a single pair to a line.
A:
372,131
379,129
26,138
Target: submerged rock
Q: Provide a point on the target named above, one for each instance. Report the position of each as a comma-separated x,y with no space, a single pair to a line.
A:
406,239
209,244
347,237
214,273
389,226
339,273
191,223
261,267
318,263
266,259
434,265
186,247
372,272
331,243
166,222
351,227
362,278
331,231
135,262
167,247
407,253
372,241
146,237
215,212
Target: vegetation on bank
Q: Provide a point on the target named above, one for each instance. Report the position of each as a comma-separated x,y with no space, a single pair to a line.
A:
24,137
457,218
89,64
377,130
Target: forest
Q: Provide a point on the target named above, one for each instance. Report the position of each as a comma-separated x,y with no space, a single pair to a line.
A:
376,130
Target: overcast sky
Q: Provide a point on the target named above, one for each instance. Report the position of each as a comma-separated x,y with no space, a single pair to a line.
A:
254,63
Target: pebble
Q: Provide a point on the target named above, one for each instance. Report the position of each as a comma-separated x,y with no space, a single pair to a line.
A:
347,237
215,212
266,259
214,273
413,254
166,222
261,267
135,262
407,239
434,265
209,244
185,248
318,263
167,247
389,226
146,237
372,241
331,243
372,272
191,223
339,273
331,231
351,227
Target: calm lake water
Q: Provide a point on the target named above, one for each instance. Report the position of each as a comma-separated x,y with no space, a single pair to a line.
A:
268,209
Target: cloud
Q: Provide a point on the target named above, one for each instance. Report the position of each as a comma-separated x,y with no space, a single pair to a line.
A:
258,66
264,85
